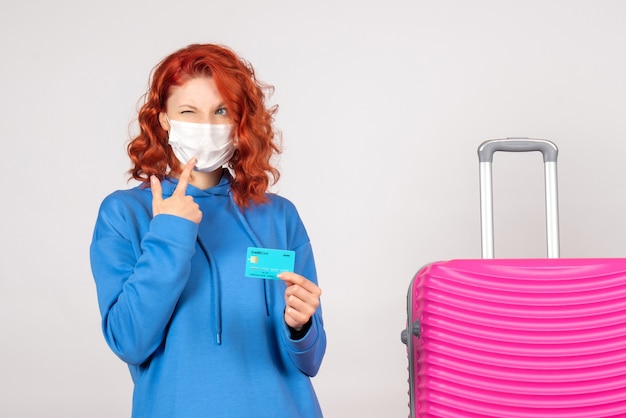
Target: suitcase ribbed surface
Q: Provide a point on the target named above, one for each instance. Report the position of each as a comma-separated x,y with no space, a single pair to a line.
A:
520,338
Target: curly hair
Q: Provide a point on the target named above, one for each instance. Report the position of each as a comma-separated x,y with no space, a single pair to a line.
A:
244,97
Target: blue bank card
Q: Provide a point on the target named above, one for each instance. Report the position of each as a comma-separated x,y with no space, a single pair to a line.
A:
266,263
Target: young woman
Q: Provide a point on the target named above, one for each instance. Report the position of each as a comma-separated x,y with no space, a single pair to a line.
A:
202,339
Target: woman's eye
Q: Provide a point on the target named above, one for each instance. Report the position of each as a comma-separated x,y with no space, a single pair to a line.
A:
221,111
186,111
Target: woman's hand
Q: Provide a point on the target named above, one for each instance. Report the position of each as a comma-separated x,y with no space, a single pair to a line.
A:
178,204
302,297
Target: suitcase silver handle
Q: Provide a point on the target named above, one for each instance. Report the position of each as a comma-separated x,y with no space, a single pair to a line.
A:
485,155
488,148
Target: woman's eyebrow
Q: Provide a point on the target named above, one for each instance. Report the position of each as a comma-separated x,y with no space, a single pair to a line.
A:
218,106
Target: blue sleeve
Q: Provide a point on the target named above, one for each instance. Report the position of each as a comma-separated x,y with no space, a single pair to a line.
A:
307,352
139,275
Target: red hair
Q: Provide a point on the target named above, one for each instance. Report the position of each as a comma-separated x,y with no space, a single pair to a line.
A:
244,97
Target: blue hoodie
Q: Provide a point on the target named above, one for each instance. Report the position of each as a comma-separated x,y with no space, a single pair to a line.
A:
200,338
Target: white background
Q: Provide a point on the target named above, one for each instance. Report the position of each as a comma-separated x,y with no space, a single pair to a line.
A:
382,108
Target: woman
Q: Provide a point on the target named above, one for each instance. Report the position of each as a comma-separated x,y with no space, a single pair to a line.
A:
202,339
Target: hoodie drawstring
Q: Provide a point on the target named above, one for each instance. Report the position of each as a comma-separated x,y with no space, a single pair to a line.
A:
215,279
217,293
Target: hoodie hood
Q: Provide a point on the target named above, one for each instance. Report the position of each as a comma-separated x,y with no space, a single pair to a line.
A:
222,188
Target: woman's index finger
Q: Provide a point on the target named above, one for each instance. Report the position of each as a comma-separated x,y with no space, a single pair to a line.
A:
183,180
302,281
155,186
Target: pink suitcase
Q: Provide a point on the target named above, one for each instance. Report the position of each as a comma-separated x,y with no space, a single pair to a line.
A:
515,338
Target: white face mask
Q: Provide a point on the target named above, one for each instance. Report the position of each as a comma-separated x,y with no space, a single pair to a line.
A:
209,143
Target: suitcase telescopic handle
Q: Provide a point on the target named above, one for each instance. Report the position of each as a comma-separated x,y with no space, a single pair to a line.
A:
485,155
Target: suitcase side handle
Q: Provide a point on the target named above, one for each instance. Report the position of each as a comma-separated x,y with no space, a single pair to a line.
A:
485,156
